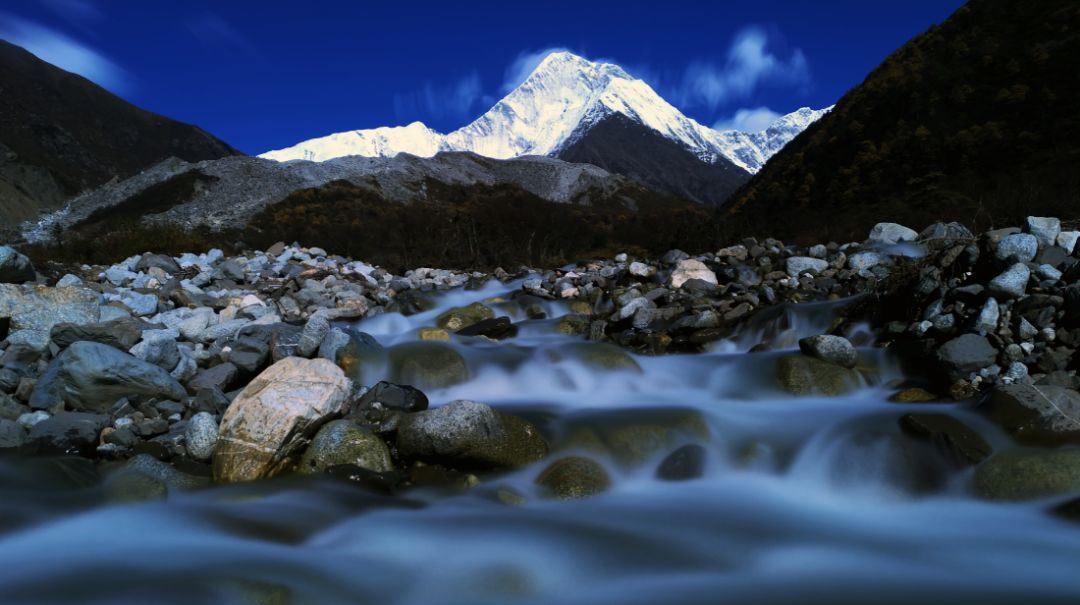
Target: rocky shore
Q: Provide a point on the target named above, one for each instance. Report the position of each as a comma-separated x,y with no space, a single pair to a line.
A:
178,372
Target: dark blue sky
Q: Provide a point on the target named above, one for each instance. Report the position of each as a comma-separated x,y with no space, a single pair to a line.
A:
267,74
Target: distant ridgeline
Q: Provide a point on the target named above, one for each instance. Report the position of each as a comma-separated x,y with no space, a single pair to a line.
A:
976,120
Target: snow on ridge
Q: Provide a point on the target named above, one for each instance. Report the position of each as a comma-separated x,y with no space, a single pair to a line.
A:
563,97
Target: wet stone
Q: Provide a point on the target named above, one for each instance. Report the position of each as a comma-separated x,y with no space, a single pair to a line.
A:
955,440
574,478
687,462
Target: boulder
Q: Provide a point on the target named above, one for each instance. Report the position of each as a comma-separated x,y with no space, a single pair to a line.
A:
15,268
34,310
1036,415
271,421
461,317
427,365
159,348
833,349
798,265
69,433
119,333
1011,283
892,233
12,434
1028,475
955,440
633,436
346,442
469,434
573,478
402,398
966,354
1017,248
158,261
221,377
688,269
92,376
1045,229
803,375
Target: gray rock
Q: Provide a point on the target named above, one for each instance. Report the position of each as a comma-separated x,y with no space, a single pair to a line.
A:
467,433
12,434
159,348
833,349
71,433
201,436
92,376
249,354
1027,475
966,354
463,317
1067,240
392,396
315,331
955,440
987,321
892,233
1036,415
220,377
1044,228
159,261
946,231
119,333
141,305
15,268
1017,248
232,270
34,310
152,467
1012,283
864,261
797,265
346,442
689,269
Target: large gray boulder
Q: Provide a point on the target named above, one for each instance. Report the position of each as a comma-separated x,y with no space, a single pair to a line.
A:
15,268
1012,283
1027,475
34,310
892,233
1036,414
92,376
689,269
346,442
470,434
1017,248
1044,228
966,354
273,419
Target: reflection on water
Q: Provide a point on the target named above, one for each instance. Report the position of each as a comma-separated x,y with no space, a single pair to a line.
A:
808,500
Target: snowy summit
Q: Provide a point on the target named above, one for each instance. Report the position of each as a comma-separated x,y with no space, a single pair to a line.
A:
557,104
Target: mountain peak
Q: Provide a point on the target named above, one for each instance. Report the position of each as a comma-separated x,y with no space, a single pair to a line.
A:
566,64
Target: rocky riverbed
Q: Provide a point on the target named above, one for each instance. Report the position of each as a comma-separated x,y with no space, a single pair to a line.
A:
914,369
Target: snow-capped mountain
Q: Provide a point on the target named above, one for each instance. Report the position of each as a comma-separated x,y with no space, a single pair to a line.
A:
556,105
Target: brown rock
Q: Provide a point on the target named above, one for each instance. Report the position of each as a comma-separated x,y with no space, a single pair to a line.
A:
273,418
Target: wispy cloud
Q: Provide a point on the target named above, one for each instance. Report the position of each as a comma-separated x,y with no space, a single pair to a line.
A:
524,64
64,52
749,119
752,62
454,100
217,33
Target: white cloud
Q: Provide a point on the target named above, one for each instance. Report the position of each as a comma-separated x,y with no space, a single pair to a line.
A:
454,100
64,52
751,62
523,65
753,119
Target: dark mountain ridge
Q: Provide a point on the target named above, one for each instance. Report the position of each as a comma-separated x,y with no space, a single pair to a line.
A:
976,120
61,134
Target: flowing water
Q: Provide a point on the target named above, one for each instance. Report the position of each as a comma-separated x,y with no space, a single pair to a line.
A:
804,500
